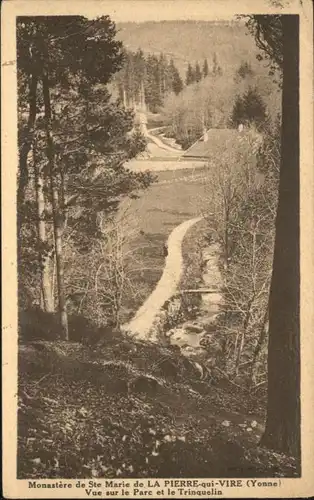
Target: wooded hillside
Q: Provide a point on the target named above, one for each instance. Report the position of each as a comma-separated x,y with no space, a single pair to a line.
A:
198,40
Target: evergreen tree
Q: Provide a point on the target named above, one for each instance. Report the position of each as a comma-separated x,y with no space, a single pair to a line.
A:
78,138
190,76
217,70
245,70
197,73
176,80
250,108
238,112
139,75
154,95
163,69
205,69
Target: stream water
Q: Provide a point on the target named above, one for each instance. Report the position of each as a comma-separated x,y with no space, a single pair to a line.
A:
189,335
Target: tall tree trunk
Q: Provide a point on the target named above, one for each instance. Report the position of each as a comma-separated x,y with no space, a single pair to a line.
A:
23,168
260,343
143,100
27,144
45,278
282,431
57,216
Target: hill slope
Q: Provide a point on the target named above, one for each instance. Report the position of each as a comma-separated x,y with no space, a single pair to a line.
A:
190,41
134,409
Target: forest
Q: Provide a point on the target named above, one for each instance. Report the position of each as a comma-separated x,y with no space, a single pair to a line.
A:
94,400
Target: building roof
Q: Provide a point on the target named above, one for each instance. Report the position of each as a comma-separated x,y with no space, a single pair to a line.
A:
219,140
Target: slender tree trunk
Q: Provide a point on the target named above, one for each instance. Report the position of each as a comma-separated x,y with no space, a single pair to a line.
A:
282,431
46,288
25,149
226,240
22,180
245,325
57,216
259,346
143,103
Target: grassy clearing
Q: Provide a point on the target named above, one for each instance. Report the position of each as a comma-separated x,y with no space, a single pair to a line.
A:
177,196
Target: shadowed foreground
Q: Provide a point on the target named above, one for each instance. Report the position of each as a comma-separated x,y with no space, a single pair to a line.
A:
134,409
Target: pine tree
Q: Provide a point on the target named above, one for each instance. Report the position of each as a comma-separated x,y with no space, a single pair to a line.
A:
197,73
139,75
190,75
250,108
245,70
205,69
154,95
238,112
163,67
217,70
176,80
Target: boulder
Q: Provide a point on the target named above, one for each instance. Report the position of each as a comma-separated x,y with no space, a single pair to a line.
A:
194,352
144,384
193,328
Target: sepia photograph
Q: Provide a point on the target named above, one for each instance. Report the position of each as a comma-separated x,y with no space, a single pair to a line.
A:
158,247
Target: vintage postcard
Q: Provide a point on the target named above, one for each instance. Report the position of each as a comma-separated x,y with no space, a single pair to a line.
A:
157,239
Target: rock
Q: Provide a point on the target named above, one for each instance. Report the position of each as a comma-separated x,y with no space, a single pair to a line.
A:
194,352
210,329
146,384
193,328
225,423
167,438
199,369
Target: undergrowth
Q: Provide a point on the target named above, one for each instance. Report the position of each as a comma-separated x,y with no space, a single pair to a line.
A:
133,409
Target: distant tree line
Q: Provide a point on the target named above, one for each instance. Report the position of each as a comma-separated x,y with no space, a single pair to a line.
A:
220,101
146,80
196,74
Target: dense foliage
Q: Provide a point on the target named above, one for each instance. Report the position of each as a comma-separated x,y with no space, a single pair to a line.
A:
74,142
146,80
249,109
107,405
243,199
245,96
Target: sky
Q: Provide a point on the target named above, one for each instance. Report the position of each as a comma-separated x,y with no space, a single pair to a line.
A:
148,10
152,10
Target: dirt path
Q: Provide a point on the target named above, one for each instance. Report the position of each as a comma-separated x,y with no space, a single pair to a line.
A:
142,322
163,146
